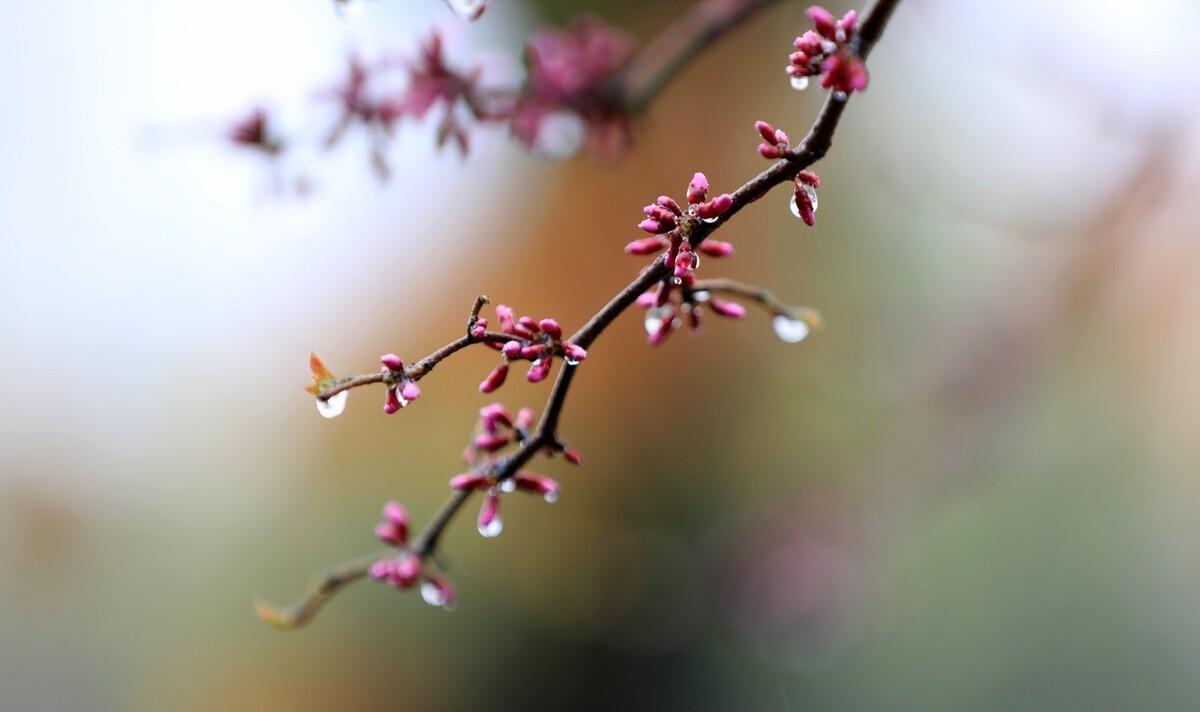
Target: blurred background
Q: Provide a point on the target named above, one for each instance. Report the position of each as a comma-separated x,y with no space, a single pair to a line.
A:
975,489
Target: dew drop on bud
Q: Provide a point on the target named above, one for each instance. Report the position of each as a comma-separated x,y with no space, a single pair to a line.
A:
492,528
799,83
655,317
551,497
508,486
700,295
790,330
695,261
334,406
433,594
570,361
812,198
840,95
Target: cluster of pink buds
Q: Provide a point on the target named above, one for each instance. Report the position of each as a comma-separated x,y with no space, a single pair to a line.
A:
433,82
667,222
569,71
775,142
498,429
405,569
685,304
535,341
670,226
401,391
826,51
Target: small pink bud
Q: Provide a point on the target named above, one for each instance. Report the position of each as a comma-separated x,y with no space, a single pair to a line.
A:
536,484
653,226
468,481
495,379
645,246
809,178
664,330
823,21
388,534
524,419
538,371
849,23
391,402
489,442
716,207
381,569
769,151
532,351
494,416
698,189
391,362
573,456
529,323
411,391
405,572
551,327
478,330
511,349
505,315
669,203
733,310
765,130
573,352
716,248
395,513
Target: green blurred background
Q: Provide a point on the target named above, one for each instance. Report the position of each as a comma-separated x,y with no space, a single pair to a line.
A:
974,490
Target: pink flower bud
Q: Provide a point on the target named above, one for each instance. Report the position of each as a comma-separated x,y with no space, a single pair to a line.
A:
524,419
654,227
765,130
849,23
529,323
495,379
405,572
716,248
391,362
573,456
381,569
769,151
698,189
391,402
809,178
716,207
505,315
394,513
468,481
645,246
669,203
573,352
536,484
823,21
733,310
664,330
410,391
532,351
645,300
538,371
490,443
511,349
551,327
388,533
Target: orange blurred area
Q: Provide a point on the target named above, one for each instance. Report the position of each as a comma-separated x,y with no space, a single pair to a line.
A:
975,488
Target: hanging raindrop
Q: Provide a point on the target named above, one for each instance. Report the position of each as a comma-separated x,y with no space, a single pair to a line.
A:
790,330
799,83
333,406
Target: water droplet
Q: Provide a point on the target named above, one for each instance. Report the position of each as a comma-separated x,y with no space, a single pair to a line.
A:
333,407
700,295
570,361
492,528
469,9
655,317
811,192
677,281
508,486
695,261
551,497
799,83
433,594
560,135
793,331
840,95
